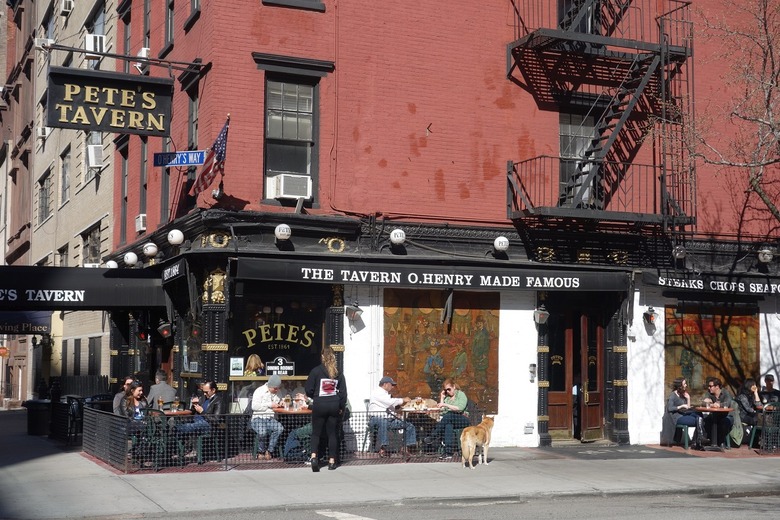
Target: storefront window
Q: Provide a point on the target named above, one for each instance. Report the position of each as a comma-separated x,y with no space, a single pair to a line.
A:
707,342
421,349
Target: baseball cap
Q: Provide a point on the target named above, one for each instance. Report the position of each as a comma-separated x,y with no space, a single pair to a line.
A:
387,379
274,381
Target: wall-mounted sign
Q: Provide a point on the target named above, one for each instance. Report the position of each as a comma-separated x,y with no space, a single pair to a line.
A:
281,367
25,322
188,158
93,100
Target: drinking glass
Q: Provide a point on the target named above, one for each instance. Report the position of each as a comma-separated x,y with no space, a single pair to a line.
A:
175,405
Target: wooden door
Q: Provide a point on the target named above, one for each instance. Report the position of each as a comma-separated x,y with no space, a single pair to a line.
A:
591,406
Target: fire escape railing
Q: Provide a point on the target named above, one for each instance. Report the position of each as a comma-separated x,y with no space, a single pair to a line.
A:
637,84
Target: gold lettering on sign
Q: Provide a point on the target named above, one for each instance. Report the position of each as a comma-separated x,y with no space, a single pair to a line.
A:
279,332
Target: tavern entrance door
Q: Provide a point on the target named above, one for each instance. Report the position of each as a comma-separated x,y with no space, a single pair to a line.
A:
576,391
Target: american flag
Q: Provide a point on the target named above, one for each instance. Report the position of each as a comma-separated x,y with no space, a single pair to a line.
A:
215,162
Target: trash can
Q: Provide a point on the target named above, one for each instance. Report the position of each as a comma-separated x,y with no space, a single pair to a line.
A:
38,416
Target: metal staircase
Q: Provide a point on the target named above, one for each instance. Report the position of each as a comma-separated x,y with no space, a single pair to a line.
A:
626,63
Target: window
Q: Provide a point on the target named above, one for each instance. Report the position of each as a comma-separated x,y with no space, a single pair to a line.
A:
43,107
192,117
289,120
312,5
147,23
576,134
126,46
77,357
44,197
90,246
194,14
123,209
62,256
144,165
49,24
64,369
65,176
169,27
165,184
93,363
93,138
97,25
570,10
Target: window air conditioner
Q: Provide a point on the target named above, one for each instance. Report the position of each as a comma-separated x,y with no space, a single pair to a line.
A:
40,43
140,223
67,7
143,66
42,132
94,156
91,265
94,43
286,186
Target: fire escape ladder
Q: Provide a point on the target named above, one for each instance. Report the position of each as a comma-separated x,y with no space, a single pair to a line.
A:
612,13
594,178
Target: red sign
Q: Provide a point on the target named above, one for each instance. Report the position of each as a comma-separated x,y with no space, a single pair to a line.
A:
3,351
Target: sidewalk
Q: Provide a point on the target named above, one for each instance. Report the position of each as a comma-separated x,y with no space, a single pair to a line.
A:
40,479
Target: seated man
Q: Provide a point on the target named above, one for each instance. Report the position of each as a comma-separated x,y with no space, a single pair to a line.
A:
769,394
718,398
380,409
452,402
264,402
206,413
160,390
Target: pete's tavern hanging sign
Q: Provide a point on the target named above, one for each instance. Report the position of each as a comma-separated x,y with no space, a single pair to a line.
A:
100,101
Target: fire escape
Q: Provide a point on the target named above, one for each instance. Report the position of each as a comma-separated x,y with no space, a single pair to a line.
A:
622,70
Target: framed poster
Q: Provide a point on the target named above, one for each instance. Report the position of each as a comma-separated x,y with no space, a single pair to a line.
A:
236,366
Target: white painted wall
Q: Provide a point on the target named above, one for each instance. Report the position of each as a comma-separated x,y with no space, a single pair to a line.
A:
517,405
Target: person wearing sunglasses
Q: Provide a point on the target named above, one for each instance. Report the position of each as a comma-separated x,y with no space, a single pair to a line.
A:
719,398
452,403
119,398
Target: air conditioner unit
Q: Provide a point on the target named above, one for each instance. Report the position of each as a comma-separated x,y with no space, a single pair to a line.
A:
42,132
94,43
91,265
287,186
143,66
94,156
66,6
41,43
140,223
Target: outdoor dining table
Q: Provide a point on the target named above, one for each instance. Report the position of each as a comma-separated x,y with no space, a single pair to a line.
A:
423,419
714,435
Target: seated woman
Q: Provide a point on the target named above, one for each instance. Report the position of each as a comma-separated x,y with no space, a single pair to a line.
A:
254,366
678,406
747,400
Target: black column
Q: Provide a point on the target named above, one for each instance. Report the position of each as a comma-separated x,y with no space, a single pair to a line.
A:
542,366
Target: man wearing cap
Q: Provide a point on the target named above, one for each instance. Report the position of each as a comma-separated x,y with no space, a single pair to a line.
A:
769,394
380,408
264,402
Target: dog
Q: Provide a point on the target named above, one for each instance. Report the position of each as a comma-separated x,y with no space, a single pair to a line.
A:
473,437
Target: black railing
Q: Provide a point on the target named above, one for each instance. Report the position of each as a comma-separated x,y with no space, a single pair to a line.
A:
537,187
162,442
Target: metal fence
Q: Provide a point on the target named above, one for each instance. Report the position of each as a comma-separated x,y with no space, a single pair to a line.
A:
770,431
162,442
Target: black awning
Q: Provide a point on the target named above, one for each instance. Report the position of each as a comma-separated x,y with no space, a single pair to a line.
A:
525,278
71,288
736,284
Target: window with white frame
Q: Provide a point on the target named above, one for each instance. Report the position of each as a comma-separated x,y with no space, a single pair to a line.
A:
65,176
90,245
43,196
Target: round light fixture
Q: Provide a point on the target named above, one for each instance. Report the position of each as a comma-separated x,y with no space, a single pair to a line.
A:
765,255
501,243
130,258
397,237
111,264
678,252
150,249
282,232
175,237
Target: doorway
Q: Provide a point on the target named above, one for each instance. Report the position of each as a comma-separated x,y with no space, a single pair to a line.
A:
576,372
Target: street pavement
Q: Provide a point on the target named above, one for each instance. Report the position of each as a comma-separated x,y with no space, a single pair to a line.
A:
39,478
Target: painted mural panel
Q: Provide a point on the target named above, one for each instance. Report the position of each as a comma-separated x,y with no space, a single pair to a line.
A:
707,342
423,347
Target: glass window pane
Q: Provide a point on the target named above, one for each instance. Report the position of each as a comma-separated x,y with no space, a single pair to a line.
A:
305,98
304,127
290,95
274,95
288,157
290,130
274,124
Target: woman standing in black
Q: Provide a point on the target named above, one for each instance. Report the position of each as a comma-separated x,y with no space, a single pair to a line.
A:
328,389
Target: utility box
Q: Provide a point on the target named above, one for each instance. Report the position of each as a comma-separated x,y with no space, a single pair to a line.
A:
38,416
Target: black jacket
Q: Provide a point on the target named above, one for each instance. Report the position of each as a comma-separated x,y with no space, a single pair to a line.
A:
318,383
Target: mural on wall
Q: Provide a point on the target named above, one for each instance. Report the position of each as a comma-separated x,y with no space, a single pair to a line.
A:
711,343
422,349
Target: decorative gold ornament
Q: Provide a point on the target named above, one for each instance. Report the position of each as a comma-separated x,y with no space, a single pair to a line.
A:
545,254
338,295
334,244
619,257
214,287
583,256
217,239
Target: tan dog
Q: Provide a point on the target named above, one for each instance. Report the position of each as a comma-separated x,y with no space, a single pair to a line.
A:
473,437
